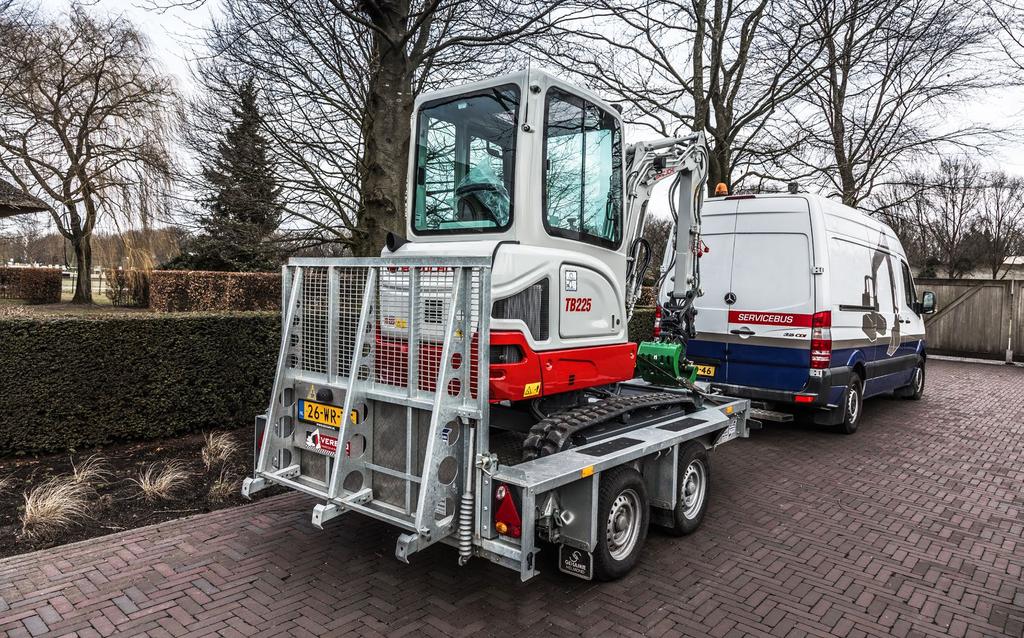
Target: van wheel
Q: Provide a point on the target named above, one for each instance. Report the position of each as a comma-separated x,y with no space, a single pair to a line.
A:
691,490
623,515
915,390
853,405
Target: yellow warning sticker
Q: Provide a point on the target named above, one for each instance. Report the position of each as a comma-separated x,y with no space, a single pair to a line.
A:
531,390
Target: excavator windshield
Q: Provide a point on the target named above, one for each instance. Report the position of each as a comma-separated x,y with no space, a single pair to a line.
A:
465,162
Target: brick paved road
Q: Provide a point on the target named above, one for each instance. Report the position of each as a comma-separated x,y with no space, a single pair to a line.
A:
911,527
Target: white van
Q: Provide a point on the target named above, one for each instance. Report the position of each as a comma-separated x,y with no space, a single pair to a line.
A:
807,303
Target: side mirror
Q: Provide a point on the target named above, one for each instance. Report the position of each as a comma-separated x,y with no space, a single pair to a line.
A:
927,302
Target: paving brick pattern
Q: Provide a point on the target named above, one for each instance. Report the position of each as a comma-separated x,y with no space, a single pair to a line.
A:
913,527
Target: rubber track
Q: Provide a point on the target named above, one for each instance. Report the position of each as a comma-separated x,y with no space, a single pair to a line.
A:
553,433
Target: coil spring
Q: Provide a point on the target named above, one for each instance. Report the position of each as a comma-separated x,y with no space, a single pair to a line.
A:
466,528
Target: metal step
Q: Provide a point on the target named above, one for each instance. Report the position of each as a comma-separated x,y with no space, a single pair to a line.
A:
760,414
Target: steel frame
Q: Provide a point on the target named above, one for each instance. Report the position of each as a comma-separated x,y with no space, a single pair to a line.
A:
458,429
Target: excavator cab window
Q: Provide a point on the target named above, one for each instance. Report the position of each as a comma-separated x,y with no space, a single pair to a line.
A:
465,162
582,171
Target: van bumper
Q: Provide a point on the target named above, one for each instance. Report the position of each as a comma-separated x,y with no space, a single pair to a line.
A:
822,390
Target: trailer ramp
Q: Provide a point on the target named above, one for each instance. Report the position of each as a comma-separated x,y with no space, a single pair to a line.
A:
379,391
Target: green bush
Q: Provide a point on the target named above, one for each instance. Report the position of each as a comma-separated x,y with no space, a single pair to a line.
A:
72,383
641,325
34,285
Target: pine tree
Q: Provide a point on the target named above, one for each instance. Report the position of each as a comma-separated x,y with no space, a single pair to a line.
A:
242,207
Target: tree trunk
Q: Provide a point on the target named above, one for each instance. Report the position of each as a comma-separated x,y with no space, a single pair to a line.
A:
718,166
386,134
83,261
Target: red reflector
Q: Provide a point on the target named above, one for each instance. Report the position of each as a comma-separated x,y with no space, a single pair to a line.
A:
656,332
804,398
508,516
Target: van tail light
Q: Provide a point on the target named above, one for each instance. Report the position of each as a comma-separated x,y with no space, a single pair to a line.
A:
506,515
656,332
821,340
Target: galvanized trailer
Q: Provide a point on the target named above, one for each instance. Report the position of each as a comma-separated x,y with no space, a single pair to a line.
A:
380,406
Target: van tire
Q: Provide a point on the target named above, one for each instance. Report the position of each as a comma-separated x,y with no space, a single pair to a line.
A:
622,494
694,483
853,405
915,390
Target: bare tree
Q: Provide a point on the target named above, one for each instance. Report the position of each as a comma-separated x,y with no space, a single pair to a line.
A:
81,124
904,203
893,65
722,68
951,215
1001,220
1008,16
339,78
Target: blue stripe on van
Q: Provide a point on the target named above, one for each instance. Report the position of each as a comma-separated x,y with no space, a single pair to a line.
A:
787,369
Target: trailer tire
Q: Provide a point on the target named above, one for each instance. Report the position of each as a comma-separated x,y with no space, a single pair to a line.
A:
692,489
623,516
852,407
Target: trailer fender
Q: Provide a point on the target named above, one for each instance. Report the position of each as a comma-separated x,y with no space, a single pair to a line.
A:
577,513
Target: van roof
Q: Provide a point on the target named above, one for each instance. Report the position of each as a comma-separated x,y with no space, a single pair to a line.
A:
828,207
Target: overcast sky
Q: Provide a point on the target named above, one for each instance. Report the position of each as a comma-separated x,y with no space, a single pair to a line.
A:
174,35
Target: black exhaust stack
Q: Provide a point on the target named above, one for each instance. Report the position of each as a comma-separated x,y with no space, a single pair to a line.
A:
394,242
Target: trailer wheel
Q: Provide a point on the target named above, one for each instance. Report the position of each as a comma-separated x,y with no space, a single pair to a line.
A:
623,516
692,489
853,405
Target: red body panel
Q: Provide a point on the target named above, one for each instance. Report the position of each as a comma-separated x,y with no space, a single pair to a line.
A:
557,371
536,374
393,358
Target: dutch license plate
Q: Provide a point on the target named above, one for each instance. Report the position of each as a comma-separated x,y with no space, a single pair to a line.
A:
576,562
329,415
705,370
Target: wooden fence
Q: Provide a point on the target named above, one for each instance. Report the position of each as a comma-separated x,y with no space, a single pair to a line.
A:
976,318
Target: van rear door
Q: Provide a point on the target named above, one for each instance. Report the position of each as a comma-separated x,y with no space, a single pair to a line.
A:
709,349
772,294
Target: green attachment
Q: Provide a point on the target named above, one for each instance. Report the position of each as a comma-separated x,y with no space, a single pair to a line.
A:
664,363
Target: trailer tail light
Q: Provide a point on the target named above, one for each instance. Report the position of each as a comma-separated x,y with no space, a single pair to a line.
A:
656,332
821,340
506,515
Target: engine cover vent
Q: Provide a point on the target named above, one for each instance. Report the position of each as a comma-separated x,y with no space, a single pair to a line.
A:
529,306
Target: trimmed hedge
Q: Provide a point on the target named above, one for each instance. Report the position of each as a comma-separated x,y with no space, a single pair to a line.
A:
198,290
34,285
641,325
72,383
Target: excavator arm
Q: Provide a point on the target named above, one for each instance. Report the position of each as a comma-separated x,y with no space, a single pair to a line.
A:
686,159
